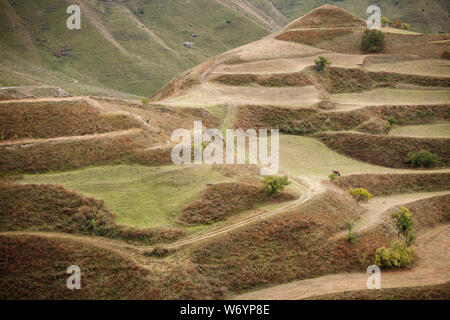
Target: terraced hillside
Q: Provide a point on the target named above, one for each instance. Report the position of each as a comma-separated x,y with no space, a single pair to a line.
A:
132,48
105,179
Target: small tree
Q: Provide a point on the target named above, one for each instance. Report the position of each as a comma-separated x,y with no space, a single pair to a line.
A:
372,41
350,236
360,194
404,225
321,63
144,100
423,158
272,184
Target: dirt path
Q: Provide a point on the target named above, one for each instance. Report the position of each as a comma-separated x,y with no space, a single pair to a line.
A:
128,252
147,30
379,207
433,267
308,189
267,22
97,24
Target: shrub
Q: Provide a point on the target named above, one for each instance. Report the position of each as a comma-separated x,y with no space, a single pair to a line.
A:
405,26
332,176
157,252
321,64
272,184
397,255
404,225
360,194
423,158
392,121
386,22
350,235
144,100
372,41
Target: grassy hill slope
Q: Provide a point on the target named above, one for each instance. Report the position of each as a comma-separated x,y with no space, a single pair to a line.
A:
121,52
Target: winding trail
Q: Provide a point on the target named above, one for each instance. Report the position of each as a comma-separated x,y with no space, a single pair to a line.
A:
379,207
309,188
433,268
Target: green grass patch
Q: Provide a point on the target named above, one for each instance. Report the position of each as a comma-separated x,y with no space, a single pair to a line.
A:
139,196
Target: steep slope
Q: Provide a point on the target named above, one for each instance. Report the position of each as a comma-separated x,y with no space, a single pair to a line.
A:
116,49
134,47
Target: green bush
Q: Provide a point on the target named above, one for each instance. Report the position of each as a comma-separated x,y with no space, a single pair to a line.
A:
404,225
350,234
397,255
423,158
386,22
144,100
372,41
332,176
322,63
360,194
272,184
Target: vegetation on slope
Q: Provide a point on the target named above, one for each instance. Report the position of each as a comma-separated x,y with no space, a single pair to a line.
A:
221,200
386,184
385,151
140,196
285,248
53,208
57,119
433,292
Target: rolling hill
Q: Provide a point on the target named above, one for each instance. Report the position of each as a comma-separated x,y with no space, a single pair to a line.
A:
89,180
132,48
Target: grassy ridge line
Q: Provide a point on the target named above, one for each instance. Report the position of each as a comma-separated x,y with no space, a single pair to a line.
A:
70,154
308,121
53,208
57,119
348,80
387,151
387,184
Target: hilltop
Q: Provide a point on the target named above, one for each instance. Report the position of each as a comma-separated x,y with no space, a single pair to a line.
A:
132,48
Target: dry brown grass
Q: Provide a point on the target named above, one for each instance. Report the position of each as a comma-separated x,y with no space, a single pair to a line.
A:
313,37
326,16
285,248
344,80
386,184
386,151
224,199
57,119
297,79
53,208
307,121
434,292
